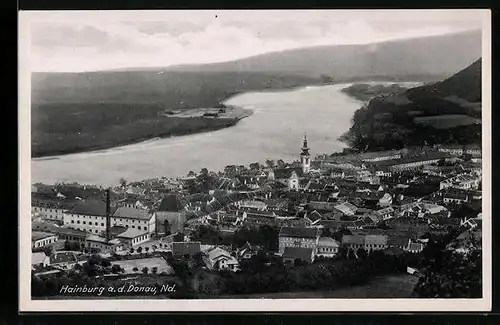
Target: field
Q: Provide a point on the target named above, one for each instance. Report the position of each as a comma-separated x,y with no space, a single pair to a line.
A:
68,128
446,121
158,262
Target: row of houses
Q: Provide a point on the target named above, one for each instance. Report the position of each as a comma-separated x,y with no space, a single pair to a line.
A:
307,244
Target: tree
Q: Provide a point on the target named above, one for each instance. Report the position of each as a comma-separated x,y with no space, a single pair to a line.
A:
178,237
280,163
204,172
155,247
123,182
135,269
116,269
207,235
270,163
198,259
139,249
147,249
361,253
254,166
105,262
132,250
145,270
154,270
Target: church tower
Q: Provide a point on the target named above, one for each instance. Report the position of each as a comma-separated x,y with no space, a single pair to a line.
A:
305,157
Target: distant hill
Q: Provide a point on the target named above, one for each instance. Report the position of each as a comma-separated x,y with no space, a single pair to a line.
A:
465,84
419,59
448,111
427,56
169,89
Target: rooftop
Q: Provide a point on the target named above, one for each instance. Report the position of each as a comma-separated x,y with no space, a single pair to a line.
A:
172,203
132,213
353,239
398,241
38,257
298,232
63,257
328,241
92,207
298,252
38,235
375,240
131,233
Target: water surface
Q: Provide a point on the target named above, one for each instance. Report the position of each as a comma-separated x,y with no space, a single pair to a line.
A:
274,131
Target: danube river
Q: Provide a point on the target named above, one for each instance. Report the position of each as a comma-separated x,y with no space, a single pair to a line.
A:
274,131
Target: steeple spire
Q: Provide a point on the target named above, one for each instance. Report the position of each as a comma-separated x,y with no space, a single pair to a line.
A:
305,148
305,159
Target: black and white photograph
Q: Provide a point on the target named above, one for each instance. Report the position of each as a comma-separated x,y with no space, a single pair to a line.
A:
255,160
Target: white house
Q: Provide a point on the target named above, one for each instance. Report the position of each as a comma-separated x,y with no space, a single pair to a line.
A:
39,259
327,247
40,239
219,259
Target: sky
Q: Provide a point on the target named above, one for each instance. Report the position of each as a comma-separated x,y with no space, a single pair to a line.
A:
100,40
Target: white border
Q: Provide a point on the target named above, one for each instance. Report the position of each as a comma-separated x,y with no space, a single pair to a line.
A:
231,305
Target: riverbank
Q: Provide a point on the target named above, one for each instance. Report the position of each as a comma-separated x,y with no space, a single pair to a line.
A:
366,91
141,131
274,131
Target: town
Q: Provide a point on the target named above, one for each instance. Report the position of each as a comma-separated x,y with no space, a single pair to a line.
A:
371,213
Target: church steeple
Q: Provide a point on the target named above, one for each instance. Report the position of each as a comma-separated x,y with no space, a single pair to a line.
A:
305,157
305,148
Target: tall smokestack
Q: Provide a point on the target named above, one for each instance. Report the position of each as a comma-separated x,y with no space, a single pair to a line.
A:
108,214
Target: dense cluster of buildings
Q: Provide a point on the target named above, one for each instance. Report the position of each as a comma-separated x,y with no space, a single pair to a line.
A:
387,201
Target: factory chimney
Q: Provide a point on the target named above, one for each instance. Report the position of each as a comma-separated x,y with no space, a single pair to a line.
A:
108,214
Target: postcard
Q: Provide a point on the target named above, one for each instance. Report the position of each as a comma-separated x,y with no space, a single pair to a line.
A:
277,160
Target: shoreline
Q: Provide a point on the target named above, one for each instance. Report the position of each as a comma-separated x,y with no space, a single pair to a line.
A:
95,149
234,122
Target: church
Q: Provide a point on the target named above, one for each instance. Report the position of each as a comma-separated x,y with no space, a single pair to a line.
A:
293,177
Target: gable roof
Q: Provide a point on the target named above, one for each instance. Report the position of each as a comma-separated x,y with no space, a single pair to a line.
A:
38,257
328,242
285,173
170,203
314,216
216,252
398,241
375,240
131,233
37,235
298,252
298,232
132,213
353,239
92,207
346,208
63,257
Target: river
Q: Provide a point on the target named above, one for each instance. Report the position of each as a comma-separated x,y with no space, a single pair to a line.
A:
274,131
